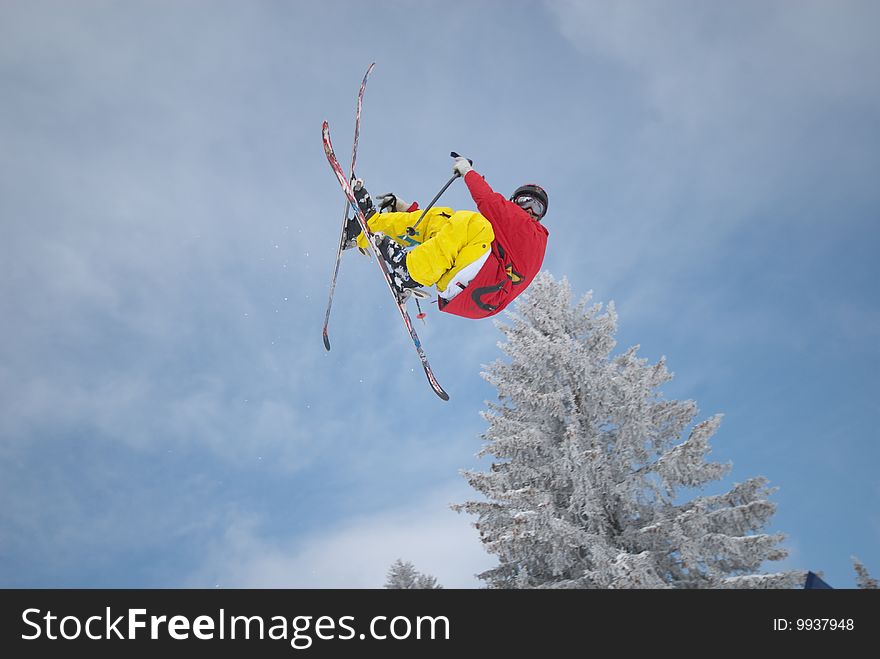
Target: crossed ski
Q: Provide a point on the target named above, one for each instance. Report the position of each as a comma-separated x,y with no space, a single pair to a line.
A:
352,203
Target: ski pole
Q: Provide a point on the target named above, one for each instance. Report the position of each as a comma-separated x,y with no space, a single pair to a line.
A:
411,231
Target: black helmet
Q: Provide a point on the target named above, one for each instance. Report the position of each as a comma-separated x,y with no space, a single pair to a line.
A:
527,195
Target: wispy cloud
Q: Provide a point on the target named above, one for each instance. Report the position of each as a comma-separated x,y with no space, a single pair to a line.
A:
354,552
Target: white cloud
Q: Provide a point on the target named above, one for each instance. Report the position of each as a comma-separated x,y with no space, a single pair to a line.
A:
712,61
355,552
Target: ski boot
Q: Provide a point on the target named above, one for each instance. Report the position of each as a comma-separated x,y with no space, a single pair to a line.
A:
395,257
366,206
364,200
352,231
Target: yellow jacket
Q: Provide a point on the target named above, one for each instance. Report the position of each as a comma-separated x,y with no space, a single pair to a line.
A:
445,241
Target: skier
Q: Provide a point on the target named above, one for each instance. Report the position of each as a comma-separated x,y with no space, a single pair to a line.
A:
478,260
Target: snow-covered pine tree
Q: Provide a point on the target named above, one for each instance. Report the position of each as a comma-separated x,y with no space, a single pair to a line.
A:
403,575
864,580
590,462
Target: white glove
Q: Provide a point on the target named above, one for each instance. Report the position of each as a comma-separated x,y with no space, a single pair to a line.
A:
392,201
461,166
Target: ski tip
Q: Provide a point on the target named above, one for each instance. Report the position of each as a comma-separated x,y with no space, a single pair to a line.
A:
326,340
435,385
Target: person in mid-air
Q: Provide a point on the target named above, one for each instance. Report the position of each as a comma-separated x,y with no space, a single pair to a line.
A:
478,260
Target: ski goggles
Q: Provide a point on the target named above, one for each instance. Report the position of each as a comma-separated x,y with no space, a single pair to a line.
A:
528,202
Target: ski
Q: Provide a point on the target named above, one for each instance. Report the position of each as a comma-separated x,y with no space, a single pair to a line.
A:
357,131
401,306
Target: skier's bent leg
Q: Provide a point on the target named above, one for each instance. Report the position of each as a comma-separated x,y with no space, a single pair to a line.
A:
465,238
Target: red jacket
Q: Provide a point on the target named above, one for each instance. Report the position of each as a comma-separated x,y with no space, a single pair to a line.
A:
516,255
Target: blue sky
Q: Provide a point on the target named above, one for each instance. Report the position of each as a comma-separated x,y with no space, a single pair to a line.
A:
168,414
